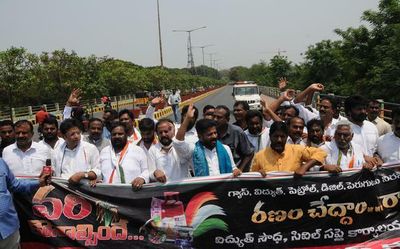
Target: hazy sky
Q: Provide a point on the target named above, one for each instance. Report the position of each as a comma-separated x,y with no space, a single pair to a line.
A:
243,31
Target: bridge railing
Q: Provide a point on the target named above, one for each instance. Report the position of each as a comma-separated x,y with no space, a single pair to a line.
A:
386,107
90,105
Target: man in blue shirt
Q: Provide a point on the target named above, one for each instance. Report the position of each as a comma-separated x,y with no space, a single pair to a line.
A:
9,225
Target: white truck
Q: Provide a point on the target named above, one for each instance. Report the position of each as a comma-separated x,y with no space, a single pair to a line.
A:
249,92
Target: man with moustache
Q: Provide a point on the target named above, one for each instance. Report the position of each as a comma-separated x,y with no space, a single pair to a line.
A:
168,165
95,134
50,134
240,108
25,157
208,112
327,109
209,157
123,162
373,111
125,116
234,137
281,156
7,134
343,154
147,130
109,116
389,144
76,159
296,127
190,134
256,133
315,135
365,132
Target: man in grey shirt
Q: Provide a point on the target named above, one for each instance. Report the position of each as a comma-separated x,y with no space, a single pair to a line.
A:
234,137
95,135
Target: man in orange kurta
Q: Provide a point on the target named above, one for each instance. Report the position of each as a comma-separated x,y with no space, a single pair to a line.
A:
280,156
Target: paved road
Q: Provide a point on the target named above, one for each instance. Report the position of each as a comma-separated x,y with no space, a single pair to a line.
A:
222,97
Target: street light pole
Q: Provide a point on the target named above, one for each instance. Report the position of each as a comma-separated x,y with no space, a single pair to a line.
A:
202,50
159,34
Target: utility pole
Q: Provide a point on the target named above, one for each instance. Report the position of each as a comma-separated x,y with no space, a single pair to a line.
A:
211,59
215,65
159,35
190,61
281,51
202,49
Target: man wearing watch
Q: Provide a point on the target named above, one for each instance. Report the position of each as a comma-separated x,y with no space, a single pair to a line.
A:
76,159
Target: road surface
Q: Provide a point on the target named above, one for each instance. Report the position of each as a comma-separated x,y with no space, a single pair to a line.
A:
221,97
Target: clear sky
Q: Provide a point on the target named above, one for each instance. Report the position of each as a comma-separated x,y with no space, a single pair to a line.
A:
243,31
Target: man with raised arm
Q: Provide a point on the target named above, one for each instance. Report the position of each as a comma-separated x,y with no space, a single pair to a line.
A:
167,164
327,107
210,156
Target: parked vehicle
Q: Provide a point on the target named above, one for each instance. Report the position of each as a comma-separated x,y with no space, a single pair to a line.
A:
249,92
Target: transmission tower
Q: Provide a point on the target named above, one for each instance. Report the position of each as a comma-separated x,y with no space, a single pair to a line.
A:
190,60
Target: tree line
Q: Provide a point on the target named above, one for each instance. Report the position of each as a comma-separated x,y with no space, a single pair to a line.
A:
365,60
31,79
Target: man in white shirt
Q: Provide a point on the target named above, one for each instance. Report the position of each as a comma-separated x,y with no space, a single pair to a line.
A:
327,107
167,165
76,159
123,162
190,134
173,100
25,157
389,144
373,110
50,135
126,117
147,130
296,128
365,132
342,153
315,133
256,133
95,135
210,157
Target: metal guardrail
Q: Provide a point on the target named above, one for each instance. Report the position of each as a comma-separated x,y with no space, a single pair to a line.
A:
386,107
56,109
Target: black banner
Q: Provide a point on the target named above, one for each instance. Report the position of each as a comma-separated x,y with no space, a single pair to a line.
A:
216,212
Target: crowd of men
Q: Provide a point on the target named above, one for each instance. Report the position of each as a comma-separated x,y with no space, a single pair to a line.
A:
287,135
